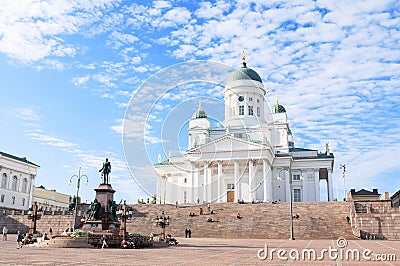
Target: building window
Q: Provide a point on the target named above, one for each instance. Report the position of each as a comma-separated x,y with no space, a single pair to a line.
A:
241,109
185,196
185,180
25,185
230,186
14,183
4,181
13,200
250,99
297,195
258,111
2,198
296,177
251,110
23,202
258,100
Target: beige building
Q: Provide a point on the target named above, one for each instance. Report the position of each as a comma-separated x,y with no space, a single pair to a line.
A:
364,194
50,200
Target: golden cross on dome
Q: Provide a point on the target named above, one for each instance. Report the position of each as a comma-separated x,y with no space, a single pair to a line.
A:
244,56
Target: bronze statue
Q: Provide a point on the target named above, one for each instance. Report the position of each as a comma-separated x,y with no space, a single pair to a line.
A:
93,213
105,171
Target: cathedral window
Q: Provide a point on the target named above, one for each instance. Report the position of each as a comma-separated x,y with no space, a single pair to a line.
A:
250,99
241,109
297,195
185,180
230,186
2,198
251,112
296,177
258,111
23,202
258,100
13,200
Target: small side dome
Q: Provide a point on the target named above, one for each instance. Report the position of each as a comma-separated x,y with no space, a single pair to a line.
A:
277,108
199,113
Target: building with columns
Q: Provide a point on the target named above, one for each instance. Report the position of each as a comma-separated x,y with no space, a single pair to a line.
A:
252,157
17,181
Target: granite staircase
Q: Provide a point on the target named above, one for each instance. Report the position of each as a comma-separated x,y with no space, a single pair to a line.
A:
316,220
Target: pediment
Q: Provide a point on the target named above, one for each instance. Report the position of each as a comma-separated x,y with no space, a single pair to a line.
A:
227,144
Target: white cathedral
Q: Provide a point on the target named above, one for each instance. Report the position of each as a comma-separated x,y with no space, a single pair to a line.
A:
252,158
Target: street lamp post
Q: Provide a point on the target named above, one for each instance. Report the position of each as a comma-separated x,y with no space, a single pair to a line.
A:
289,170
162,222
123,216
34,216
343,168
79,176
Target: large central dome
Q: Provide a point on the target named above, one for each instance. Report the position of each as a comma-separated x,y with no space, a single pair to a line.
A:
244,73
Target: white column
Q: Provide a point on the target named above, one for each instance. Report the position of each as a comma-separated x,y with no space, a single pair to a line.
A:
267,173
316,183
219,196
287,185
265,180
237,184
330,185
205,181
304,189
251,193
192,175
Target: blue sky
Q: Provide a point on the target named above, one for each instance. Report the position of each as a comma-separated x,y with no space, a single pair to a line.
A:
69,70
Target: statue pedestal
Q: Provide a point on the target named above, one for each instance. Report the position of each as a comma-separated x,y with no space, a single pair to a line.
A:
104,193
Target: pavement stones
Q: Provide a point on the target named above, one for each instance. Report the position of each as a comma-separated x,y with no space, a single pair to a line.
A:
203,251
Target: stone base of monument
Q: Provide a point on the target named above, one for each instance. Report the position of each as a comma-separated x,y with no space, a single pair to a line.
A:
104,194
100,226
63,242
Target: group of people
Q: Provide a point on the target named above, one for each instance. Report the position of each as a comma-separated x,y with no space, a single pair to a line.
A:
22,239
188,233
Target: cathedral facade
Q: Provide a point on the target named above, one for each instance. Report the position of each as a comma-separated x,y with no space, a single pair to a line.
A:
252,158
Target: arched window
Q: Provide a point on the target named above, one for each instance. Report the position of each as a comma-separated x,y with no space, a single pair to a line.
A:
23,202
14,183
25,185
4,181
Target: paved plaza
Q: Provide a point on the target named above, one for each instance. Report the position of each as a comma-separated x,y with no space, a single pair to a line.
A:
209,251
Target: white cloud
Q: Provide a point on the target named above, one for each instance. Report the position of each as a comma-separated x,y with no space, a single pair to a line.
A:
78,81
32,30
27,114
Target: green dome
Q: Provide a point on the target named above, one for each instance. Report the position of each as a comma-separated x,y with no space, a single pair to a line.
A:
199,114
277,108
244,73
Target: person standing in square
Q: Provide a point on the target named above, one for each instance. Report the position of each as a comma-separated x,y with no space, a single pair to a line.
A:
5,231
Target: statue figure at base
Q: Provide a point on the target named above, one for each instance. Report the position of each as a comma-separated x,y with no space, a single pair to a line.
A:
93,212
105,171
